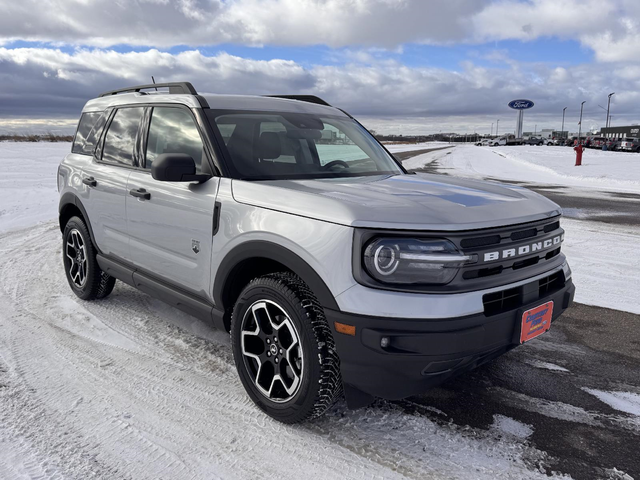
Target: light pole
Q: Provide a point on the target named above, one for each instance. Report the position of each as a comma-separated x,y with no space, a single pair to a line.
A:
562,129
580,123
491,134
608,107
535,130
497,125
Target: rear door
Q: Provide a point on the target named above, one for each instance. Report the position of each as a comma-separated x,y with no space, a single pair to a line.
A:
105,181
171,232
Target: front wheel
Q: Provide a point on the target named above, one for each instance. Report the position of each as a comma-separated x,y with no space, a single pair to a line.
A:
84,275
284,350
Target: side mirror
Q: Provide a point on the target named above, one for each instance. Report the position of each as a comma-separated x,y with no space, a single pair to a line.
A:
176,167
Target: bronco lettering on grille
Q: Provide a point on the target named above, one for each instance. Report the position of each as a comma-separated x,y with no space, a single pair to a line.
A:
524,249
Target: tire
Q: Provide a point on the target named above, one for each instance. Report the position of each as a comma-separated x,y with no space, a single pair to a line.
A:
83,273
294,311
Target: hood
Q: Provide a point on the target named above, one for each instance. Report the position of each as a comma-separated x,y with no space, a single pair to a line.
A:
418,201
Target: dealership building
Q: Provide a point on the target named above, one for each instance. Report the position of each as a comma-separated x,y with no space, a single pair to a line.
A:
621,132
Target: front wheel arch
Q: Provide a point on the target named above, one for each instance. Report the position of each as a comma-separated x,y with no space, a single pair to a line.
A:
256,258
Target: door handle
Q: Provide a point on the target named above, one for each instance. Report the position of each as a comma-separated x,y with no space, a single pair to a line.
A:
89,181
140,193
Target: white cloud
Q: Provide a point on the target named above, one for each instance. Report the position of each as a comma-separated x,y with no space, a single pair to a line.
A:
41,82
335,23
609,27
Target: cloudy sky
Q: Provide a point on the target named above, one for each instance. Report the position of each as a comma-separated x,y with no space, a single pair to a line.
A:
401,66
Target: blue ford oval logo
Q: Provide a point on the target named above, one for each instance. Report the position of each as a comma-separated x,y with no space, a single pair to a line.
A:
521,104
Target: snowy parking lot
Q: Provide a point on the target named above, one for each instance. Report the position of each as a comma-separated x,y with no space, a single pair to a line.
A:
130,388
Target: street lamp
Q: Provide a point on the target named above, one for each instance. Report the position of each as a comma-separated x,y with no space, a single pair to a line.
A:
535,130
608,106
580,122
491,134
562,129
497,125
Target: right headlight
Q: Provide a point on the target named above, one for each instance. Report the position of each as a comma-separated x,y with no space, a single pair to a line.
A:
414,260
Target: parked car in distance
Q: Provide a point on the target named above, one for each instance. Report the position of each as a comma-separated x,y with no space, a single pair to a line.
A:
630,144
534,141
484,142
597,142
507,140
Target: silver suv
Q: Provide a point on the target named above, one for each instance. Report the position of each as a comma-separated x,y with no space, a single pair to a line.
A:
283,221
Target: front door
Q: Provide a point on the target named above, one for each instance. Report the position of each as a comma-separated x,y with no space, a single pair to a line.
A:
171,231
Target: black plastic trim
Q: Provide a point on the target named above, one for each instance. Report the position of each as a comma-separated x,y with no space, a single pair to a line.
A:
167,292
422,353
216,218
174,88
71,199
302,98
271,251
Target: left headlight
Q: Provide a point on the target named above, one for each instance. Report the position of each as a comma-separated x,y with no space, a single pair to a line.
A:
414,260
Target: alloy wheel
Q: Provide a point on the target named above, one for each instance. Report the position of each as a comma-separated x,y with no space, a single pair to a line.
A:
272,351
76,252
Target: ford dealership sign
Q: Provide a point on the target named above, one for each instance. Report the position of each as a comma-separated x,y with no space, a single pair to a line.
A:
521,104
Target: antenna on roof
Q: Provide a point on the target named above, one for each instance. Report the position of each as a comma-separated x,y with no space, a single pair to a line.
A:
154,82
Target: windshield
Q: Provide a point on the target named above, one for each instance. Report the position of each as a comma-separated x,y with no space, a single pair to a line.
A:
270,145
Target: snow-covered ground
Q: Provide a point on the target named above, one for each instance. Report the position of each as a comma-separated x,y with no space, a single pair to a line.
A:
28,191
603,257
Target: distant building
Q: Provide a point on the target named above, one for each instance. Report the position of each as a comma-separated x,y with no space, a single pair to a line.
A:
621,132
546,133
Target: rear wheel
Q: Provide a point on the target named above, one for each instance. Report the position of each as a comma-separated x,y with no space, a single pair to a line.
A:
284,350
84,275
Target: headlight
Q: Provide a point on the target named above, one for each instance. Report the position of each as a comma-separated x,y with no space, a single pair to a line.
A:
414,260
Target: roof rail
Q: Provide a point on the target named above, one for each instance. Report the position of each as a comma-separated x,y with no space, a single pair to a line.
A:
302,98
174,88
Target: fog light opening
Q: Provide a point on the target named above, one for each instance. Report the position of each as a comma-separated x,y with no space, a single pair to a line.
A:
385,342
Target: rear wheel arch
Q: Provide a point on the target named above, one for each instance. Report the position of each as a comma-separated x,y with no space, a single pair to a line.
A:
71,206
257,258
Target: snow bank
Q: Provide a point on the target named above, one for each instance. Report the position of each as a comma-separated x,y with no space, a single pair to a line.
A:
542,165
604,258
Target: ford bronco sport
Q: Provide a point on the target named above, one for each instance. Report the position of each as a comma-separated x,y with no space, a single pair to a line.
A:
283,221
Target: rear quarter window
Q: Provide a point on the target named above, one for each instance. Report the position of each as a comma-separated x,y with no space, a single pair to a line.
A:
87,133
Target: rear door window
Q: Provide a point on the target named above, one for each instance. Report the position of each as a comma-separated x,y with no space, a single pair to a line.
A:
85,138
120,140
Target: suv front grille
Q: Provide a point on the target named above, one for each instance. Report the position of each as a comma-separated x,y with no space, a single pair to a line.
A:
498,240
480,241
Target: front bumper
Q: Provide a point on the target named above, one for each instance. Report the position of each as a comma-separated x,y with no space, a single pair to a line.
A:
424,353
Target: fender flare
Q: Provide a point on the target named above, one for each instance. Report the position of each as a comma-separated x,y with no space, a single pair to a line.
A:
275,252
72,199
